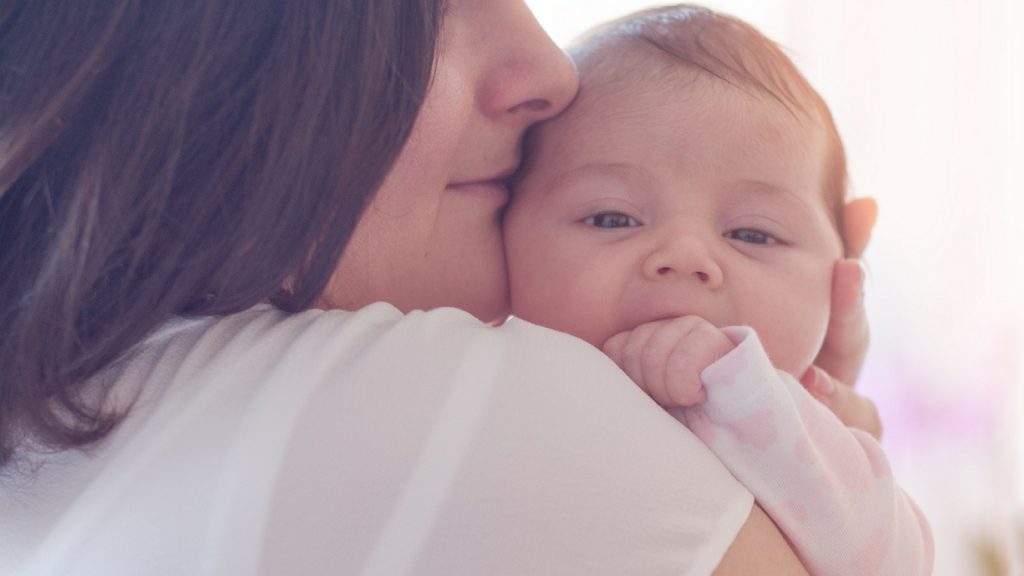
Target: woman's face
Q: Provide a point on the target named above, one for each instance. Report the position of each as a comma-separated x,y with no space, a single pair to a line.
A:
431,236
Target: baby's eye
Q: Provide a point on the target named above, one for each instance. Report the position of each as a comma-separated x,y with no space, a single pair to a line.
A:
611,220
751,236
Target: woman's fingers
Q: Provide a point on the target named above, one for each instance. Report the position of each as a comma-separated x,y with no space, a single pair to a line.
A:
859,216
852,409
846,343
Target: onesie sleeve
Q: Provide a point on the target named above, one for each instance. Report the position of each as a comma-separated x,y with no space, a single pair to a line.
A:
829,488
431,443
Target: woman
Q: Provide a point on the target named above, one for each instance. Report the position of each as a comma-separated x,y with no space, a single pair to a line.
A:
169,170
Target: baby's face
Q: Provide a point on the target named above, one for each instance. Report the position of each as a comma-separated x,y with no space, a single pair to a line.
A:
651,202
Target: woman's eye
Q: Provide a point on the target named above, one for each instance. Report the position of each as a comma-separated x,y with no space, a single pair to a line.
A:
751,236
611,220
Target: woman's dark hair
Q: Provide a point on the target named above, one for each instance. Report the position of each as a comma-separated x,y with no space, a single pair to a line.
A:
186,157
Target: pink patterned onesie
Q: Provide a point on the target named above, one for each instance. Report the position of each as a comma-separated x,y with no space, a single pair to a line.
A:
829,488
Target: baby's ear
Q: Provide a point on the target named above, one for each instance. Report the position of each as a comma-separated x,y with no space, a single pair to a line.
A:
859,217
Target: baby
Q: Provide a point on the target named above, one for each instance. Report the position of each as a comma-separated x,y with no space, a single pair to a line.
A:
683,215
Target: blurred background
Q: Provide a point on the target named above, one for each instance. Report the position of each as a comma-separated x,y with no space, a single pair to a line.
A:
929,99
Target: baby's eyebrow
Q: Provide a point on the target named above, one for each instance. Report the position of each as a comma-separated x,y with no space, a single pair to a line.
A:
617,170
762,188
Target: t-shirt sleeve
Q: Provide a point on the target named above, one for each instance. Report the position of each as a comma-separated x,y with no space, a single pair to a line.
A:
430,443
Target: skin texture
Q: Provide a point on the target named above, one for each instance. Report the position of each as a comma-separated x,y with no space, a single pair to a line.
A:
636,212
759,548
630,229
432,235
842,354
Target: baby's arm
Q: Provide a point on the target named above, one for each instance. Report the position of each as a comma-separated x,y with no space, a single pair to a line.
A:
828,488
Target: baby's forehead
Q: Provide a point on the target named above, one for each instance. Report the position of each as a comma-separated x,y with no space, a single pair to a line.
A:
614,106
619,103
628,67
628,62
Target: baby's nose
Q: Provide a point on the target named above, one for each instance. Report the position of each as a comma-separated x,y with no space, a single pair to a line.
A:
684,256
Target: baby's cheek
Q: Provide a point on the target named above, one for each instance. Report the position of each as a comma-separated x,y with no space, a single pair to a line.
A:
529,272
559,303
595,319
793,339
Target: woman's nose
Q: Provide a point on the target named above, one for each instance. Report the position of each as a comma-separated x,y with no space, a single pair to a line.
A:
684,257
538,80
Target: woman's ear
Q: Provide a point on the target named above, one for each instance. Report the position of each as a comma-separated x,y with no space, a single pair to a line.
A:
859,217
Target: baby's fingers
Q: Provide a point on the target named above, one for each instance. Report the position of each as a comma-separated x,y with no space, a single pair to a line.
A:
666,357
703,345
682,374
671,377
625,348
654,352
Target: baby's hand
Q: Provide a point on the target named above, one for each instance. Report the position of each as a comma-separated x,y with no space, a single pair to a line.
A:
665,357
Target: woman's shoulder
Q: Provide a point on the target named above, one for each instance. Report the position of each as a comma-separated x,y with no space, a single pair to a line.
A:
450,443
378,440
264,365
332,339
266,322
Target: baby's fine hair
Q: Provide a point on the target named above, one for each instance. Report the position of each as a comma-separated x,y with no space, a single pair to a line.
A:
722,47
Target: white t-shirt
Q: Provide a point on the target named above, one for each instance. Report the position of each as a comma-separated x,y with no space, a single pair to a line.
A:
372,443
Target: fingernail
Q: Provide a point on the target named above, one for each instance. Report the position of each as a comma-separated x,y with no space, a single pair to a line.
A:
864,271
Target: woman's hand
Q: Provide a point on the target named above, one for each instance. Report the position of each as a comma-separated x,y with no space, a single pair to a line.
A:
846,343
853,409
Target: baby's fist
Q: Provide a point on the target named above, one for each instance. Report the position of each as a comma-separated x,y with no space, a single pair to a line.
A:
665,357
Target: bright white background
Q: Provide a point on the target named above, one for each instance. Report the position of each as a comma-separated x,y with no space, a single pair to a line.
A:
929,99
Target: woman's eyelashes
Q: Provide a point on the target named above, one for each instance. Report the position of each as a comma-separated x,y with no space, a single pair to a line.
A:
611,220
751,236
